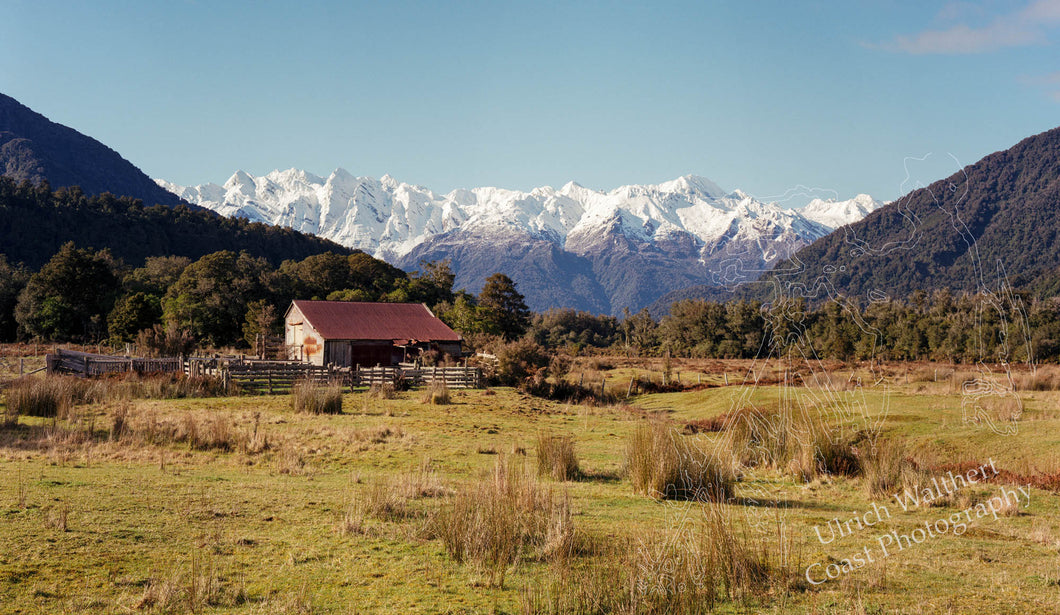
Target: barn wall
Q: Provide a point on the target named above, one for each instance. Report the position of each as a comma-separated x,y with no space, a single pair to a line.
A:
366,353
452,349
302,340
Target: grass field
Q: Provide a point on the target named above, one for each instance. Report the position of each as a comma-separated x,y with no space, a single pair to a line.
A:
240,504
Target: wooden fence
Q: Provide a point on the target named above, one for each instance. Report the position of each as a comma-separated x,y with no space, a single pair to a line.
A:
88,364
452,377
261,377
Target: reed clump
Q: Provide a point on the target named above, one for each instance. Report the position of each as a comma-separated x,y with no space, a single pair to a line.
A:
663,464
313,398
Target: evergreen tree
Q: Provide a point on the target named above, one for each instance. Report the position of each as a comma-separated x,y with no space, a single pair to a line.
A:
69,298
212,295
132,314
12,280
502,308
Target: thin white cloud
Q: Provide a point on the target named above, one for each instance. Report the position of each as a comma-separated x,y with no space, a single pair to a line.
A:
1046,79
1049,83
1030,25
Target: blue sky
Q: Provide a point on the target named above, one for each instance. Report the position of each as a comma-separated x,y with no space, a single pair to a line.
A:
762,96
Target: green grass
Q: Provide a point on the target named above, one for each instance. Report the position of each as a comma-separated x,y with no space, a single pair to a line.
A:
262,528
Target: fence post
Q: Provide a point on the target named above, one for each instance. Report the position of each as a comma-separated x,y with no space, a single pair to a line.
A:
269,372
629,389
21,366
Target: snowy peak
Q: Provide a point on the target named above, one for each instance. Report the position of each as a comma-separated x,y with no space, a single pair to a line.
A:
692,184
389,218
569,247
835,214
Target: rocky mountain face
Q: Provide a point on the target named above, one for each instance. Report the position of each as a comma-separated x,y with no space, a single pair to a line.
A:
567,247
34,148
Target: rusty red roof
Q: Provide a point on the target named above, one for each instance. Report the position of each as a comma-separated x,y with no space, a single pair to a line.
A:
354,320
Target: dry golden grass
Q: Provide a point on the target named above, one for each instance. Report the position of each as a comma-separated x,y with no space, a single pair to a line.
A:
707,557
663,464
501,519
556,457
312,398
889,468
436,394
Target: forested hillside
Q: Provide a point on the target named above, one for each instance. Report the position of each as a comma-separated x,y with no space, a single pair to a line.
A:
1000,215
36,221
35,149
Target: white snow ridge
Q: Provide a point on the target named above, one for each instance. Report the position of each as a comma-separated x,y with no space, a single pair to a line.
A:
388,218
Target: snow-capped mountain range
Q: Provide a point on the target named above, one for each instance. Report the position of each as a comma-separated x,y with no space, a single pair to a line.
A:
565,247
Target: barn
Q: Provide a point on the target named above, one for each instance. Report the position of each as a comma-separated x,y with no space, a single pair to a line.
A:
349,333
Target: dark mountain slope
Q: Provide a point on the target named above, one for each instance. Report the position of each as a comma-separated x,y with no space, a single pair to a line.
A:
1001,212
33,148
35,222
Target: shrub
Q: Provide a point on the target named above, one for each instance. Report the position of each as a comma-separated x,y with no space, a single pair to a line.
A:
165,341
312,398
662,463
556,457
520,360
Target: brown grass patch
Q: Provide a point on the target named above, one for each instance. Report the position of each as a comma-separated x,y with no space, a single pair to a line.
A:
556,457
504,518
663,464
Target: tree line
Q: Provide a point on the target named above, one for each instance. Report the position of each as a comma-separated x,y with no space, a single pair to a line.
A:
938,326
225,299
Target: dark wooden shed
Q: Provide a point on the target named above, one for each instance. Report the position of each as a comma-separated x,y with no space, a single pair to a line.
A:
348,333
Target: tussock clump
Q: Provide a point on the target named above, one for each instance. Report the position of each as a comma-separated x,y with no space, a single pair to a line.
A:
312,398
824,452
762,437
381,501
192,588
204,432
52,396
801,445
172,386
502,519
437,394
889,468
662,463
385,390
556,457
56,396
1042,379
692,567
387,498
